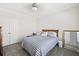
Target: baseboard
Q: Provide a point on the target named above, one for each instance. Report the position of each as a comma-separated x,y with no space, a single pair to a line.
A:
10,44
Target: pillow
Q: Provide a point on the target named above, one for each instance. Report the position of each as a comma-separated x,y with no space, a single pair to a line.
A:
52,34
44,33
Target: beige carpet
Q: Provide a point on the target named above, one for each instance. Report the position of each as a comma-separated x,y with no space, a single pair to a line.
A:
17,50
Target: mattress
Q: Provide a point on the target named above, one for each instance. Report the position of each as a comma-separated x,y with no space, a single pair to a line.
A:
39,45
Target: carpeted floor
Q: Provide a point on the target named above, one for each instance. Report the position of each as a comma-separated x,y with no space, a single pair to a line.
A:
17,50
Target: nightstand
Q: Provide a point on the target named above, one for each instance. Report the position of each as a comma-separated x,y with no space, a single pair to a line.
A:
60,43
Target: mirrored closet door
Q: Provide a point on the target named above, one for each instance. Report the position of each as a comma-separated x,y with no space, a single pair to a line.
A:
71,39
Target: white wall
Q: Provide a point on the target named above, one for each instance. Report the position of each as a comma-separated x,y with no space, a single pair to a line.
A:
15,26
64,20
27,26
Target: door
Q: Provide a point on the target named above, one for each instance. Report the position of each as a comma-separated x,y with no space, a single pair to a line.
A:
1,50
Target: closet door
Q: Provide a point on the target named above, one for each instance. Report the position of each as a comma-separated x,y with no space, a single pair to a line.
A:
1,49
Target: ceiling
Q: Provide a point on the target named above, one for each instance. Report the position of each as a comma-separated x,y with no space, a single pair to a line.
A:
43,8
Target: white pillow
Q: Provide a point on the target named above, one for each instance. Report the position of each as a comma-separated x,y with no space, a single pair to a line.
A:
44,33
52,34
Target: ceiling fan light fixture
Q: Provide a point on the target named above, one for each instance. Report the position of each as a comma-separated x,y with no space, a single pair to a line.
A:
34,6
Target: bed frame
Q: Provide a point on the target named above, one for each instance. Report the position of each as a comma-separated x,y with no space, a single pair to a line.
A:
49,30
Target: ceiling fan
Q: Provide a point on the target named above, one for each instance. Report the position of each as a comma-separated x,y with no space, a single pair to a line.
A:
34,6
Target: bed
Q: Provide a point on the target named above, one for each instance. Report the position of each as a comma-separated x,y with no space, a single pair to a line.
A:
40,45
